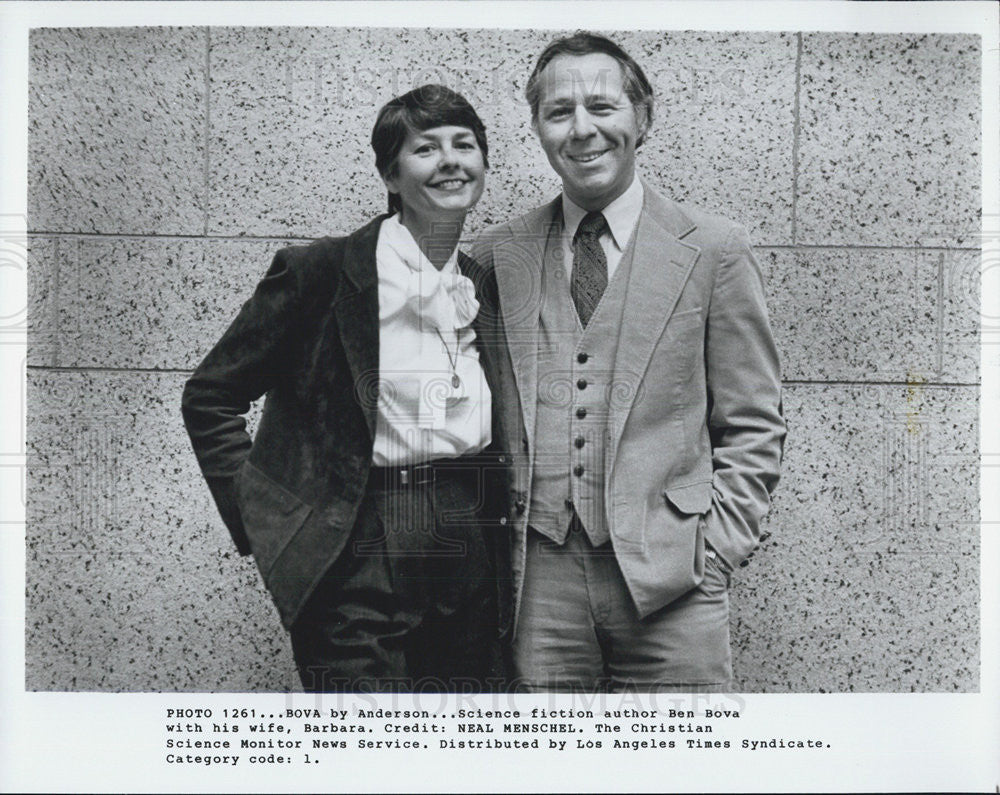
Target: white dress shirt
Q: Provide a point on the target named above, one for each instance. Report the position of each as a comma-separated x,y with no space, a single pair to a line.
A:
622,215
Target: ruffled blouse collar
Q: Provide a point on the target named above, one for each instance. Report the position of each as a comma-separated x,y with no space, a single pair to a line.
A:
409,282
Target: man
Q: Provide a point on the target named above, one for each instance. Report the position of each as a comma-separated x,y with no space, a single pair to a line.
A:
647,399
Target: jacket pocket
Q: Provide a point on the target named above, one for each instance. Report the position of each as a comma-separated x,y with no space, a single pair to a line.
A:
271,514
691,498
716,579
689,318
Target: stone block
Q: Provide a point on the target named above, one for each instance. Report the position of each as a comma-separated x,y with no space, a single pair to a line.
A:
133,583
292,112
116,139
889,140
43,300
874,314
148,303
870,581
725,127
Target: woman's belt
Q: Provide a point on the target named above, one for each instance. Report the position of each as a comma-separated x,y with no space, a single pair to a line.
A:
425,473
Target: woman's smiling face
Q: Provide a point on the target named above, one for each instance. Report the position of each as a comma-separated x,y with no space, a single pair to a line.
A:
439,173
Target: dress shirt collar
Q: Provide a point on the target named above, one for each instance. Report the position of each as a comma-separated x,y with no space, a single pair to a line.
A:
621,214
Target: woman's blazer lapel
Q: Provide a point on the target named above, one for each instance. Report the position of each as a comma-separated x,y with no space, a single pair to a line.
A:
355,307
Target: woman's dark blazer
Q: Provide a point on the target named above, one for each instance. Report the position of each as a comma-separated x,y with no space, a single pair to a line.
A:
308,338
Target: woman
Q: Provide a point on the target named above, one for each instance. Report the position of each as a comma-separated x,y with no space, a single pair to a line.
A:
372,496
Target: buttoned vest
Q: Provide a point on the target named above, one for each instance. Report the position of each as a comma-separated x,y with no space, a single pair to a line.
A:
575,390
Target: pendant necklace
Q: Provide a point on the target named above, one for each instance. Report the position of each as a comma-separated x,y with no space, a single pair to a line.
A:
456,382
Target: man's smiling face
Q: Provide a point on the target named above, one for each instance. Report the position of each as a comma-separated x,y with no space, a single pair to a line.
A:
588,127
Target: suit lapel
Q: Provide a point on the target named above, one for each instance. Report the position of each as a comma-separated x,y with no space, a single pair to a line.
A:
518,261
661,265
355,308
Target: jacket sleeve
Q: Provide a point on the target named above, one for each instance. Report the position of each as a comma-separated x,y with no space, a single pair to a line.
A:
244,364
745,421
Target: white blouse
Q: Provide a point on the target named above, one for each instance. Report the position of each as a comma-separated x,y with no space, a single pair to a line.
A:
433,398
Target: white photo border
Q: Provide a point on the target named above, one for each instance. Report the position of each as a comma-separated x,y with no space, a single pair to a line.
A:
919,742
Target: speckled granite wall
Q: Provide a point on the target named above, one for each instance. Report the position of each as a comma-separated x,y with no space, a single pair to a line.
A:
166,166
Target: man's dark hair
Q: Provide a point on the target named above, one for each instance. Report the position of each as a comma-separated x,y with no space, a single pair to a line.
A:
637,87
418,110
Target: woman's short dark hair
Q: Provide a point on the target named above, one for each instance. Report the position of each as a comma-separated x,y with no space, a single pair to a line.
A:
415,111
637,87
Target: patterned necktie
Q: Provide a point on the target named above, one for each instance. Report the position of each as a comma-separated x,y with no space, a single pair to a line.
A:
590,266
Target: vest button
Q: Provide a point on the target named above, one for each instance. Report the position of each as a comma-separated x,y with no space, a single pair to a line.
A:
581,412
581,384
582,358
503,521
578,470
579,441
